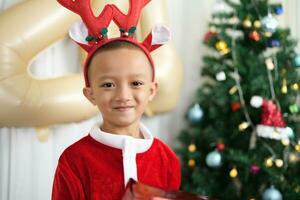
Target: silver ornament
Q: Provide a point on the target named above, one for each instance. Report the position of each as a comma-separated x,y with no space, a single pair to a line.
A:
195,114
269,23
213,159
272,194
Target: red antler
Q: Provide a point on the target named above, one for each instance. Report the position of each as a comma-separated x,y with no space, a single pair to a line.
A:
129,21
94,24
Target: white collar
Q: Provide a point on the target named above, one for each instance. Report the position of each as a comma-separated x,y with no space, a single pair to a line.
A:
130,146
120,141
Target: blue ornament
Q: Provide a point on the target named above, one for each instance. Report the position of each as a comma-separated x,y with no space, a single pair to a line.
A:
269,23
214,159
297,60
195,114
273,43
278,10
271,194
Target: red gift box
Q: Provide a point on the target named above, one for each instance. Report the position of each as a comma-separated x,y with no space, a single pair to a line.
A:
139,191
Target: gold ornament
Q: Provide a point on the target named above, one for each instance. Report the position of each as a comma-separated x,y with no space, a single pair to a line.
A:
221,45
191,163
243,126
247,23
295,86
279,162
233,172
284,88
269,162
192,148
257,24
297,147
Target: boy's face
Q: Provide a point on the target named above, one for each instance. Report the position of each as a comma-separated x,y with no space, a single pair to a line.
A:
120,85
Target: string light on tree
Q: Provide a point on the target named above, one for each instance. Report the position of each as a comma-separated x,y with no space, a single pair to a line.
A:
192,148
285,142
243,126
295,86
221,76
191,163
269,63
284,88
233,172
294,108
269,162
233,90
279,163
297,147
293,157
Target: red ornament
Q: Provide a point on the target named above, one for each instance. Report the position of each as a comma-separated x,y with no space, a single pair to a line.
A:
208,36
254,35
254,169
220,146
235,106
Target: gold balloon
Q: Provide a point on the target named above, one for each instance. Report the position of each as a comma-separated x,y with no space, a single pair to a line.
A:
30,27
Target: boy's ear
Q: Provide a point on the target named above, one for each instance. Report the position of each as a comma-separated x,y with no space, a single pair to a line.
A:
153,90
88,93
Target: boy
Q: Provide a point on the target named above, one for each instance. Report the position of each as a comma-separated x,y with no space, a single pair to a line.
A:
120,80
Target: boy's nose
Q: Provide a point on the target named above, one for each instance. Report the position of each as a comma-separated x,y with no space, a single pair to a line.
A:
123,94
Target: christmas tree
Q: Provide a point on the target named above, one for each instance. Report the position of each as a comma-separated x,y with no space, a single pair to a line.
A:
243,135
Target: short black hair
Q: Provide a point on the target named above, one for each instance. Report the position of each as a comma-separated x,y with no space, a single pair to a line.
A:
113,45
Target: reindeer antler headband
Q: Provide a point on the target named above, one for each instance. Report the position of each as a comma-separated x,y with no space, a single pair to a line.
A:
91,32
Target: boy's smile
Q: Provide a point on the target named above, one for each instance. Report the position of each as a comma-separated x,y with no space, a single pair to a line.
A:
121,87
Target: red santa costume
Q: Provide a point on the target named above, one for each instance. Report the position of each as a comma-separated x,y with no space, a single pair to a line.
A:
99,166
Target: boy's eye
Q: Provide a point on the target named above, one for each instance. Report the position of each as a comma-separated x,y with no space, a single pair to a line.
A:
107,85
137,83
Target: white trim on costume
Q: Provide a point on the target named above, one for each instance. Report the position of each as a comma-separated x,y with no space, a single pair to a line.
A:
130,147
